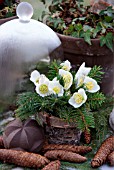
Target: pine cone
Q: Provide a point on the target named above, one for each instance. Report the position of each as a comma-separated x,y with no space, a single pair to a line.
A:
76,149
65,156
105,149
87,136
110,159
25,159
54,165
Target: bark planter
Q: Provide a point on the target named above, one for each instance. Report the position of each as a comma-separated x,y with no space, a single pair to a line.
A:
76,50
58,131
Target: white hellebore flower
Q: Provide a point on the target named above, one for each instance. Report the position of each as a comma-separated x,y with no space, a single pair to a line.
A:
80,80
43,87
91,85
56,88
82,71
66,65
67,78
78,98
35,75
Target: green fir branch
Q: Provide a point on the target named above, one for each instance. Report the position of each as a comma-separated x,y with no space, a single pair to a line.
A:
96,73
86,120
53,69
102,119
68,113
95,100
28,104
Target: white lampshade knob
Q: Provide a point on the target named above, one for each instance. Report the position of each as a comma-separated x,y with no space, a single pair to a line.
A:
24,11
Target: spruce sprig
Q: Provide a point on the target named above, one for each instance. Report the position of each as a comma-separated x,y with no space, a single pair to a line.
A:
28,104
86,120
95,100
96,73
53,69
101,117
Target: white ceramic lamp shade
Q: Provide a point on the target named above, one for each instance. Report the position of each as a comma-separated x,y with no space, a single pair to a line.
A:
23,41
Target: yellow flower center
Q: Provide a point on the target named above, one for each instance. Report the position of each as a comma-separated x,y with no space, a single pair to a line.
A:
56,90
81,81
65,68
89,85
43,88
37,80
78,98
67,80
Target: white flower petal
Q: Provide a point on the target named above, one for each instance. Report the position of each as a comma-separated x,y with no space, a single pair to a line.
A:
78,98
66,65
80,80
56,88
82,92
86,71
82,70
67,78
43,78
91,85
43,87
35,75
62,72
55,79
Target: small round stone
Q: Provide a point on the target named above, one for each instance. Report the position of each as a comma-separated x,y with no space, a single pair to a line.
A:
24,11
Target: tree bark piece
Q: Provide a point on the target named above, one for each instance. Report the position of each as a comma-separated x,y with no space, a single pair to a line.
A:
110,159
24,159
1,142
72,148
105,149
65,156
54,165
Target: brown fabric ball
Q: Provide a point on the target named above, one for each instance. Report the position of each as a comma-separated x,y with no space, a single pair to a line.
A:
28,135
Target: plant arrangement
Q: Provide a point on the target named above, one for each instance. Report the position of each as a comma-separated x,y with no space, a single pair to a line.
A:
8,8
71,95
74,19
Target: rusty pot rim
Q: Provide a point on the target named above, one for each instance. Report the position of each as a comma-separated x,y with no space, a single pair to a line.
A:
70,37
3,20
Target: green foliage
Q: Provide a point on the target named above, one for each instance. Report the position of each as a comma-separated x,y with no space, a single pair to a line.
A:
53,69
31,103
101,119
96,100
109,40
96,73
86,119
77,166
8,8
27,102
73,18
6,166
87,37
